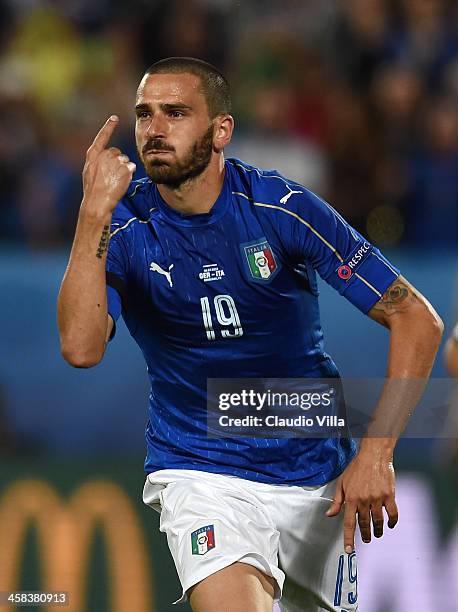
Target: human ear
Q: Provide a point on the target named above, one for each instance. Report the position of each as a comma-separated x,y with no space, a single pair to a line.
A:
224,126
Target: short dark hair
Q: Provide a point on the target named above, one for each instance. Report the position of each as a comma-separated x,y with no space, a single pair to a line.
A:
215,87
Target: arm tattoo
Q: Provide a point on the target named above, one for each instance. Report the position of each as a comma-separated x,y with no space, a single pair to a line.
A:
397,297
104,240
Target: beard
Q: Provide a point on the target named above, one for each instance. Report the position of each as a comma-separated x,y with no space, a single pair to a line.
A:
194,162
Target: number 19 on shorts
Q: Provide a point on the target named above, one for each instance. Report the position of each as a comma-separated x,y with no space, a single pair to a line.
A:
352,596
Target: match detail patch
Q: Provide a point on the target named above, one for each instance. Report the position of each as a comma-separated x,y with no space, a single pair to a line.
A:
260,260
354,260
203,540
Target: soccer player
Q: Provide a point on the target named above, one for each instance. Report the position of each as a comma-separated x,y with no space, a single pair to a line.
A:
212,264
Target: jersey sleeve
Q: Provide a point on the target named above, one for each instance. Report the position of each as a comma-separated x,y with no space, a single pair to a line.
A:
341,256
116,278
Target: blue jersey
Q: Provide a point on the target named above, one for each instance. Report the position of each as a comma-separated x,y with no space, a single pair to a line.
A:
232,293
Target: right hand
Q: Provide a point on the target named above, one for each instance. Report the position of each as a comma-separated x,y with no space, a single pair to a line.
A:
107,173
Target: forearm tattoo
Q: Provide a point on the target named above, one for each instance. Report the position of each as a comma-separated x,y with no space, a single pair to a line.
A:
397,297
104,240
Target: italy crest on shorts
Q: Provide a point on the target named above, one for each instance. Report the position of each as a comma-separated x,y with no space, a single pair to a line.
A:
260,260
203,540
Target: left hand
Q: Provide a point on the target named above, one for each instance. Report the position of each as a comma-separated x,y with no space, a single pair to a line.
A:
365,486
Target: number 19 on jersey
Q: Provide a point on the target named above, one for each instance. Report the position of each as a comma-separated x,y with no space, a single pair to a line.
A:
226,315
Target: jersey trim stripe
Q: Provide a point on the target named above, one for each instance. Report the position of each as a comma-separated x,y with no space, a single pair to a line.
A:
272,176
288,183
307,224
292,214
385,262
137,186
368,284
130,221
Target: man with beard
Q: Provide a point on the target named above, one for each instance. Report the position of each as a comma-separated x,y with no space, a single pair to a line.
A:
212,264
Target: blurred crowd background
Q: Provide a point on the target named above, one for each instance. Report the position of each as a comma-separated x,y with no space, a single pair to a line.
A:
357,99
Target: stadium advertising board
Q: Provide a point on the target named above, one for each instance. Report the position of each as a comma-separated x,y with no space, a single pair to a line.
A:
65,531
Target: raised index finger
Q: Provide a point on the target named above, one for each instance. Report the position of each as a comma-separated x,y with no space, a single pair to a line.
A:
104,135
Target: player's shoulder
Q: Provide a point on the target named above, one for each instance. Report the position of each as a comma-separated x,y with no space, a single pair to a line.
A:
137,204
272,189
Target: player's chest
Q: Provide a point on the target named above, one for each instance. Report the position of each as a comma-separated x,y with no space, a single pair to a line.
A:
215,279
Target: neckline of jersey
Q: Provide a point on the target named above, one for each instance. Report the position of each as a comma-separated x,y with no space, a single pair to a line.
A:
198,220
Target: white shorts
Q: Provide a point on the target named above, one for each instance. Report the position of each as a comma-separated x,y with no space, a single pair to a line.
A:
212,521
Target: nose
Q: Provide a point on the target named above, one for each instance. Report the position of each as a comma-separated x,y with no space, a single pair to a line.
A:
157,127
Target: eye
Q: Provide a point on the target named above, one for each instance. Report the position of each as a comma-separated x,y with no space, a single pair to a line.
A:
142,114
176,114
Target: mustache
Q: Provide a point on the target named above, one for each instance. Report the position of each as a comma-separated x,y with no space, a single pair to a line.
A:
156,145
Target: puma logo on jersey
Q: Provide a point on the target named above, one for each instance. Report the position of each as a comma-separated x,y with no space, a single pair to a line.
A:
154,267
288,195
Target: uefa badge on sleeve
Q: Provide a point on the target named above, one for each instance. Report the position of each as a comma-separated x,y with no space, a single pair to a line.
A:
344,272
203,540
260,259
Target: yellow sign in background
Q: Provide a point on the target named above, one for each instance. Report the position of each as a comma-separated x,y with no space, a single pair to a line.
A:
60,525
65,530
